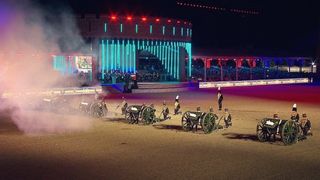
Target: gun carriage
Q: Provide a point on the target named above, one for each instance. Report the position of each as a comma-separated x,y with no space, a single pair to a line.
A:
140,113
270,128
207,121
96,109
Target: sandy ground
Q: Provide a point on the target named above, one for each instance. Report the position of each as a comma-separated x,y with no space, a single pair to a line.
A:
113,149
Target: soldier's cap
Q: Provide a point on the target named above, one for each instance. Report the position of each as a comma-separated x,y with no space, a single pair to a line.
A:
226,109
304,115
276,115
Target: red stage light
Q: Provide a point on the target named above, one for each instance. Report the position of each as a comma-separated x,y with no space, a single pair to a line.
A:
129,18
158,20
114,18
169,20
144,19
178,22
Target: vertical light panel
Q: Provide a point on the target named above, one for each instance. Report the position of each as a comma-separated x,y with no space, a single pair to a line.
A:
134,56
187,32
102,62
158,50
175,60
178,62
182,31
190,32
171,58
127,56
111,54
163,54
136,28
174,31
153,48
163,30
150,28
167,56
121,28
189,50
122,56
118,67
130,56
59,64
105,27
107,59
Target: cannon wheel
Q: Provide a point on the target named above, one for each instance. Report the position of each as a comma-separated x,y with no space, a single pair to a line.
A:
208,123
147,115
129,117
262,134
186,124
290,132
97,110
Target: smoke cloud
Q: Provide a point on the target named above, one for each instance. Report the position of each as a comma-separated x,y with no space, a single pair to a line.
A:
29,36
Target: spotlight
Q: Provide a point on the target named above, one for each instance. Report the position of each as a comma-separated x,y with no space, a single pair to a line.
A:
113,18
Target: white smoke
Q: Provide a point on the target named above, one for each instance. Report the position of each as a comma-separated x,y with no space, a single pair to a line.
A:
28,37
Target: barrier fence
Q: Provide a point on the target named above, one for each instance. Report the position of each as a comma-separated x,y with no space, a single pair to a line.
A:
253,82
55,91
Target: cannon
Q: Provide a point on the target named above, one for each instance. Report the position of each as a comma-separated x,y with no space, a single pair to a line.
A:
54,104
142,113
207,121
96,109
269,128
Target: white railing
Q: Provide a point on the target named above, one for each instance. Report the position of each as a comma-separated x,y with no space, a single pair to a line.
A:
252,82
54,91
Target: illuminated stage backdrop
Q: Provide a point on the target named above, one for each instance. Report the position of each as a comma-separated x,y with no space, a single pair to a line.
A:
122,55
118,40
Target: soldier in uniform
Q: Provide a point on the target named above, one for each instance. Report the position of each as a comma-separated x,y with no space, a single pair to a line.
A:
276,116
305,125
165,111
220,99
96,95
294,113
176,105
123,105
227,118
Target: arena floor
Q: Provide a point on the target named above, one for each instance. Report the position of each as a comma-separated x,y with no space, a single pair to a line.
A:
112,149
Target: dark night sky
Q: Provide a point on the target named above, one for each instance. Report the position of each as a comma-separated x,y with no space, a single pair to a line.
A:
283,27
